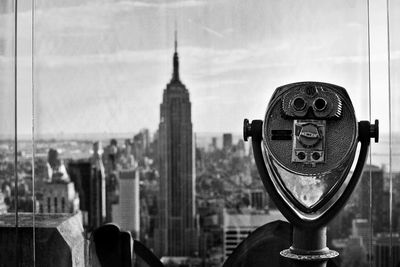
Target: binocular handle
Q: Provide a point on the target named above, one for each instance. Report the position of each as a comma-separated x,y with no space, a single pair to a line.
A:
143,252
368,131
113,247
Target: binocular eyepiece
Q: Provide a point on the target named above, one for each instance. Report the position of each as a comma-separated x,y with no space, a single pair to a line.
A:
312,101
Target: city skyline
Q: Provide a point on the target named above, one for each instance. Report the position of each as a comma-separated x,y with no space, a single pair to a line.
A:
102,64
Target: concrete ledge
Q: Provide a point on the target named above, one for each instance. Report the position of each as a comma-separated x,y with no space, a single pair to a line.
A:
59,240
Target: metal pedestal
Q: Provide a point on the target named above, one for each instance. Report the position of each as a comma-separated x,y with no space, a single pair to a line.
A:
309,248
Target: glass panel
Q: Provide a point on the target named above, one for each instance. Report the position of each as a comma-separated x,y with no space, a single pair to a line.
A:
101,68
7,114
380,170
15,175
393,206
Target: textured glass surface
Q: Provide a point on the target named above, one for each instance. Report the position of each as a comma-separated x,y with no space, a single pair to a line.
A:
9,162
308,190
101,67
393,20
7,77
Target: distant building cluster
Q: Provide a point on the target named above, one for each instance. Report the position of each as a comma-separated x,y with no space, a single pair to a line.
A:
361,230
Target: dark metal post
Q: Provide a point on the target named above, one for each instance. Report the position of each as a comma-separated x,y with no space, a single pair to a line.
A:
309,248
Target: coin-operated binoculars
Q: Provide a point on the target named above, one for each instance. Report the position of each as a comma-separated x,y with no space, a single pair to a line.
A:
304,150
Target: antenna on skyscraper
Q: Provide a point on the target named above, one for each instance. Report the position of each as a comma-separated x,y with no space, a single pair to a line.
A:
176,37
175,73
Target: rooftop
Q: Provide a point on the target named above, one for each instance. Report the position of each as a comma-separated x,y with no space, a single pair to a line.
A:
42,220
252,220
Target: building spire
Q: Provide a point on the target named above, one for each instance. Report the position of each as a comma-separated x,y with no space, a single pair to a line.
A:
175,74
176,39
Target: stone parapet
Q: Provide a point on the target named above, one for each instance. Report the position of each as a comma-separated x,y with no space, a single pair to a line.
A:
59,240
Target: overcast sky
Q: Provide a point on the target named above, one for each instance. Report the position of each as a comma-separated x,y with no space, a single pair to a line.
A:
101,66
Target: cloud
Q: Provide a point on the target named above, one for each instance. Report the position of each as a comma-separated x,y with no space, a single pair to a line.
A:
79,4
119,57
207,29
165,4
202,62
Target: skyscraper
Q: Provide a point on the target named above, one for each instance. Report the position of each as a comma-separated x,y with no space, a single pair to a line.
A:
377,194
382,245
127,212
80,173
176,232
97,211
57,197
227,141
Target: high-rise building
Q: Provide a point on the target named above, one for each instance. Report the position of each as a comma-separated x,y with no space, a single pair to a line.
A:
213,143
360,228
58,197
240,150
57,194
3,206
227,141
382,245
97,210
126,212
141,144
258,199
176,234
80,172
364,190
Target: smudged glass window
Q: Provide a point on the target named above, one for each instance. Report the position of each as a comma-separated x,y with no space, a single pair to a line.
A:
108,90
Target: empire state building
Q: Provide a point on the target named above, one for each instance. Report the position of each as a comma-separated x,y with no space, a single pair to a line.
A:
175,233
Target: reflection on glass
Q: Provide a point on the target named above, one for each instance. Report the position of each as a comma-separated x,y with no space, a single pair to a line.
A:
11,184
7,112
100,70
308,190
